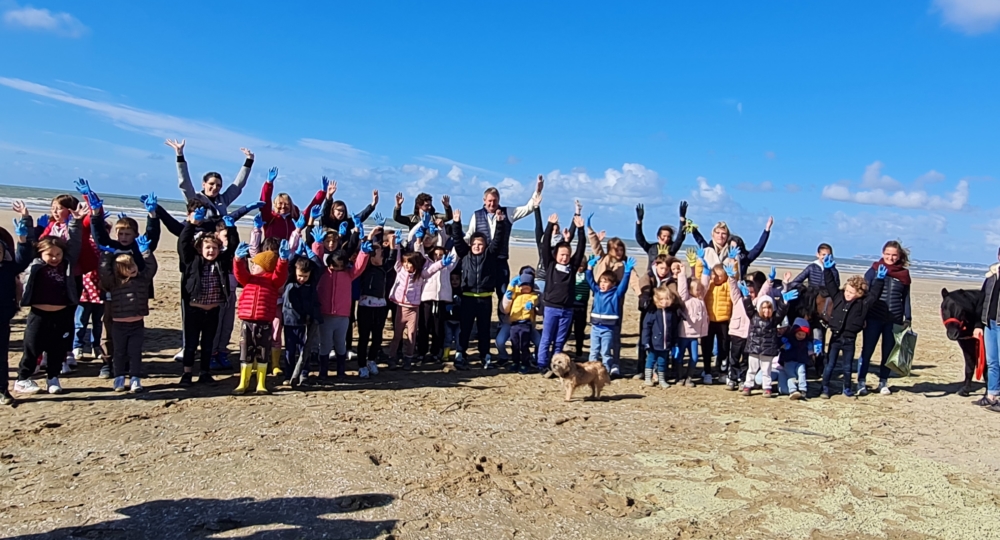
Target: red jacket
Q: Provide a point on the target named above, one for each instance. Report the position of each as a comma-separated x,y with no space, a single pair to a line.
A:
259,301
88,260
276,226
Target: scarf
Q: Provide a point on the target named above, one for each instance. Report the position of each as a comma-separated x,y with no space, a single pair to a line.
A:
896,271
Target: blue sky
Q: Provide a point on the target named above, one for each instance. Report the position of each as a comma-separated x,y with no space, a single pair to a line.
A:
850,122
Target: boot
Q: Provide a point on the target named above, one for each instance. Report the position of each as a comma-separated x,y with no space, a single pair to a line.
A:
447,354
276,362
663,379
689,380
261,369
649,377
324,367
341,366
245,370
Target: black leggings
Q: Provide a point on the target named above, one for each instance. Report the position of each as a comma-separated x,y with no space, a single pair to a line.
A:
718,330
430,328
48,332
477,312
371,323
739,360
200,326
128,350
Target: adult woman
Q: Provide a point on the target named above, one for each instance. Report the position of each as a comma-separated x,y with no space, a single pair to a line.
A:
988,327
890,309
216,200
423,204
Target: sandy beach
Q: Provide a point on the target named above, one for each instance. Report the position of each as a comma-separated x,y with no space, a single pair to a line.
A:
435,453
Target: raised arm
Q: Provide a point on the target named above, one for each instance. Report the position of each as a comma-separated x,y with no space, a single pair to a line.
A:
581,244
461,245
173,226
759,248
640,237
183,177
699,239
266,195
679,237
522,212
544,248
235,189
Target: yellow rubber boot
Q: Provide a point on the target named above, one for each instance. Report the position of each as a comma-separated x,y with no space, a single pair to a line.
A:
447,354
245,370
276,362
261,375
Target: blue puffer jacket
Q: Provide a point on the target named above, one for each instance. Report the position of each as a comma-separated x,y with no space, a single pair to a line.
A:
813,273
606,310
660,329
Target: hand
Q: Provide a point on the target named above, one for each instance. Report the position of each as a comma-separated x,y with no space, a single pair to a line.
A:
272,175
828,261
772,274
554,218
500,216
43,221
299,223
790,295
177,146
540,184
420,233
690,226
399,199
374,198
692,256
122,215
977,333
601,235
342,230
317,234
94,201
640,212
589,218
882,271
516,282
316,212
229,221
592,261
199,214
578,222
20,228
730,270
817,347
149,202
785,344
247,153
379,220
433,230
326,185
734,253
456,215
20,208
684,210
366,247
529,305
106,249
446,201
566,236
81,211
770,222
509,295
258,221
629,264
255,206
447,260
787,278
578,207
242,250
356,218
425,220
700,252
283,251
399,240
743,289
143,242
301,250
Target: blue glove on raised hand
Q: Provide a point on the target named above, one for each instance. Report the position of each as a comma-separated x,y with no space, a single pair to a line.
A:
447,260
366,247
94,201
420,233
700,252
771,275
122,215
317,233
284,253
743,289
256,206
105,215
20,227
790,295
817,347
730,270
199,214
316,212
107,249
43,221
258,221
705,269
326,184
433,230
529,305
272,175
516,282
342,231
143,242
629,264
150,202
82,186
734,252
785,344
828,261
509,294
229,221
242,250
399,240
379,220
301,250
882,271
592,261
590,217
358,222
301,222
425,220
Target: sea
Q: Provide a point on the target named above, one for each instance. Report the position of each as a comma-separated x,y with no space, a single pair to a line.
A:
39,200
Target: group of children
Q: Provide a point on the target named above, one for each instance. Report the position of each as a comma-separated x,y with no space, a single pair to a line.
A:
308,277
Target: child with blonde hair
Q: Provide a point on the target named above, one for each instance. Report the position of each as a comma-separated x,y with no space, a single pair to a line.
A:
695,323
659,333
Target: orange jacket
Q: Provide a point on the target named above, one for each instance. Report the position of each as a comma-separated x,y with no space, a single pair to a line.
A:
719,302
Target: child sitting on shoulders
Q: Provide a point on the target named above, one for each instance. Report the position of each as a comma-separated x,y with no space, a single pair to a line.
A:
521,302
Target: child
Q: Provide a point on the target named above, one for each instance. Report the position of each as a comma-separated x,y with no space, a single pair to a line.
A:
695,323
659,333
739,323
372,308
519,303
560,284
207,263
13,261
611,260
480,270
300,311
796,349
762,342
850,307
262,280
581,301
718,300
658,275
128,300
412,271
51,293
437,292
335,301
452,318
606,313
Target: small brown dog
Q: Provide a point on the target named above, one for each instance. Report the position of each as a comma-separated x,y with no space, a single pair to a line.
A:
575,375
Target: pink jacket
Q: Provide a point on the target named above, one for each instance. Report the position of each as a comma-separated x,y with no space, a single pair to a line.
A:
739,324
438,286
408,288
695,325
334,288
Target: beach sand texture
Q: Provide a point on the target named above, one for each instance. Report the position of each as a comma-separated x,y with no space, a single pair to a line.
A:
444,454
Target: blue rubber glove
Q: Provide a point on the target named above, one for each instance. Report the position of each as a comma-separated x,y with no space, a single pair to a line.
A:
730,271
676,352
356,218
817,347
743,289
882,271
200,213
20,227
302,250
230,222
629,265
734,253
342,231
700,252
379,220
284,253
790,295
592,261
272,175
317,234
516,282
256,206
785,344
705,270
433,230
94,201
509,294
529,305
326,184
106,216
143,243
106,249
399,240
150,202
366,247
828,261
419,234
426,220
447,260
43,221
242,250
301,222
590,217
316,212
772,274
82,186
258,221
122,215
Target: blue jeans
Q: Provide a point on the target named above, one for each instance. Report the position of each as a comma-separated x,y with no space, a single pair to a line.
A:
503,336
840,354
991,335
689,345
92,315
871,334
555,332
451,331
792,378
601,341
657,359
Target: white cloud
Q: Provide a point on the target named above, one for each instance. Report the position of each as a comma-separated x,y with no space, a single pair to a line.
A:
992,232
61,24
750,186
333,147
455,174
874,179
929,177
882,190
890,224
424,176
447,161
707,193
970,17
633,184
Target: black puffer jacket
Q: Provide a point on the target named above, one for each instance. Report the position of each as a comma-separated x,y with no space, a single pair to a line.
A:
192,262
763,338
893,304
374,279
480,272
848,318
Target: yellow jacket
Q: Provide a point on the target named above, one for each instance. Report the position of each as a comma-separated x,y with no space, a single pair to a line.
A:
518,306
719,302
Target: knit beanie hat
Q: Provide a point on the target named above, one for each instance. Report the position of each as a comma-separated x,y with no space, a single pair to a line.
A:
761,300
267,260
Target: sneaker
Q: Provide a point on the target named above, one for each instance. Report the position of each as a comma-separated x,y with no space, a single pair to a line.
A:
796,395
205,378
488,363
71,360
6,398
26,386
664,384
105,372
730,385
523,370
186,379
614,373
351,355
137,387
66,370
224,362
372,367
768,394
77,353
119,384
862,390
54,386
179,357
746,391
883,388
214,364
848,392
688,382
706,378
984,401
363,373
825,394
